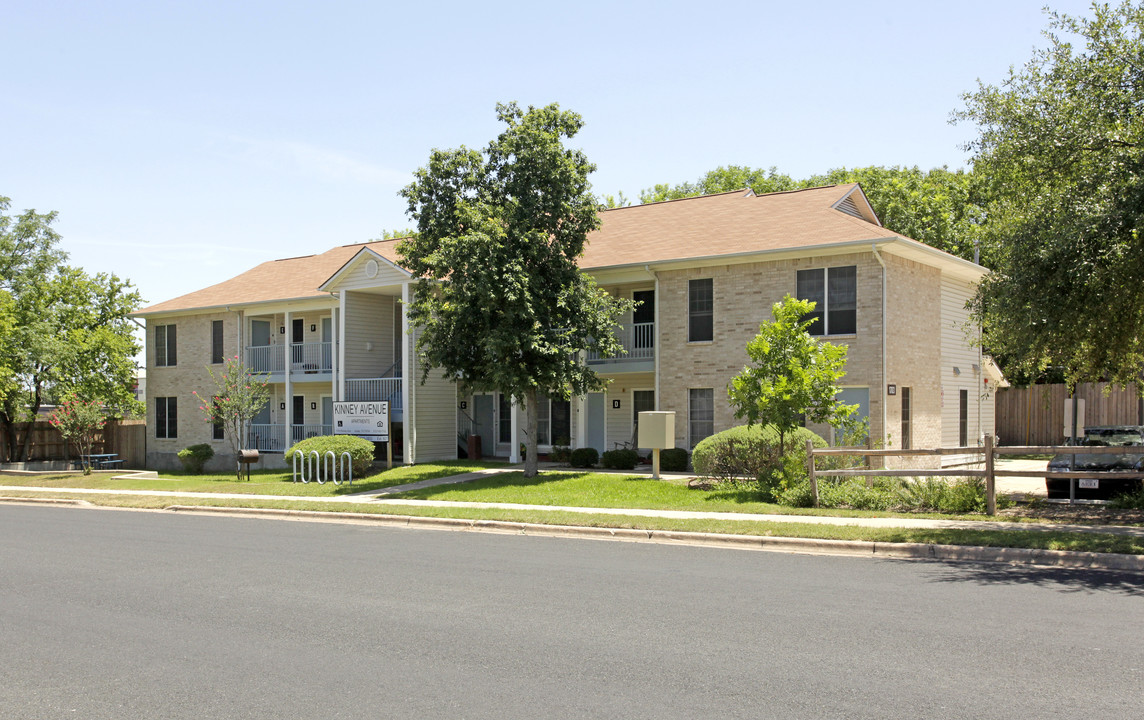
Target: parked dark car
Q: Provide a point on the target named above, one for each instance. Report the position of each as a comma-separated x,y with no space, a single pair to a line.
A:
1098,487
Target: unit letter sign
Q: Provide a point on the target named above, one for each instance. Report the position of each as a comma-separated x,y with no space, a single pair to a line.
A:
369,420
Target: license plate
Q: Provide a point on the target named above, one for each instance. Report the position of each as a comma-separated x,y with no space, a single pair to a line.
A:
1089,483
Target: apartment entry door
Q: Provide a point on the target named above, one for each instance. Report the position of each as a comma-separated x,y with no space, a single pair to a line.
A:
484,423
595,422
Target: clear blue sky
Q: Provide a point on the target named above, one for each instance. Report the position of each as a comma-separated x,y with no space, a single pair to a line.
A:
182,143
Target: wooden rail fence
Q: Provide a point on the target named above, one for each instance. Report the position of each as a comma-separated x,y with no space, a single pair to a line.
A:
989,455
127,438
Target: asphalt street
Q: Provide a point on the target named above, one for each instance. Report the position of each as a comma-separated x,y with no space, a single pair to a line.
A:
122,614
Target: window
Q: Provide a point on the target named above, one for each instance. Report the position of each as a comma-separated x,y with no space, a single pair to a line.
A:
834,292
166,417
217,429
963,418
504,419
216,342
165,346
906,410
553,422
861,398
700,414
700,310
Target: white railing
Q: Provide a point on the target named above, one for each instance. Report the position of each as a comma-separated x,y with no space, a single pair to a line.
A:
267,438
637,341
266,359
299,433
311,357
374,390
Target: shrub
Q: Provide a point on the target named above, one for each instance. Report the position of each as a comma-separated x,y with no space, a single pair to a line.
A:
751,453
195,457
884,493
360,450
560,454
624,459
673,460
1133,500
584,457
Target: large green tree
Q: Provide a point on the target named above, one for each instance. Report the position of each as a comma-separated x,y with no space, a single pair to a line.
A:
70,332
1062,142
792,377
500,300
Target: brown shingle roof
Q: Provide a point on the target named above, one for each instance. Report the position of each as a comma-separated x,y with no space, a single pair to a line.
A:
725,224
287,279
710,225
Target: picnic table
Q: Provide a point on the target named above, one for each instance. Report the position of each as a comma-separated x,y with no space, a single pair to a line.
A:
101,461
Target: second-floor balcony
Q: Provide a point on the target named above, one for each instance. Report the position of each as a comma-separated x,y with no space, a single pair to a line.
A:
305,358
638,343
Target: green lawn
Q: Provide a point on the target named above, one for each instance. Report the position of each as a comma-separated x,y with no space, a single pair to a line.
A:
612,490
262,482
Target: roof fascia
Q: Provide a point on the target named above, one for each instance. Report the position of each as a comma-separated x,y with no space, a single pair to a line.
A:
330,284
920,252
300,303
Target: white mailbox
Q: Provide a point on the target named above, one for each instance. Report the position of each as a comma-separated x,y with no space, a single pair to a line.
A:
657,430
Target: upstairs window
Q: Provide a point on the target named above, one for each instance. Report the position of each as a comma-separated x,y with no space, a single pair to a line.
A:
216,342
165,346
834,292
700,310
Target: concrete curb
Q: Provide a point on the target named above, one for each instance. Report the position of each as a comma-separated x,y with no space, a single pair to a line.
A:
813,546
44,501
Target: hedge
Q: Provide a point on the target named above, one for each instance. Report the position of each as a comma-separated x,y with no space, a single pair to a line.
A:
360,450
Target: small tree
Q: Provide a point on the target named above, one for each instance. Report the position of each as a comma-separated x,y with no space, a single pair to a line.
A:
239,395
793,377
79,422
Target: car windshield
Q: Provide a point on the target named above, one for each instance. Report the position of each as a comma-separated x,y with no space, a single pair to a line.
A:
1112,437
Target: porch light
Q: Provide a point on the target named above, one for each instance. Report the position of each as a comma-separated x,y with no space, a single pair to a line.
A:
956,370
281,406
313,327
313,406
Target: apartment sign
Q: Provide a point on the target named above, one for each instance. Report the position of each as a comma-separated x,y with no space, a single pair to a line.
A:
368,420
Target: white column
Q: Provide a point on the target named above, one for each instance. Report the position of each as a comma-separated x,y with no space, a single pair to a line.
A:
341,325
408,372
514,433
581,404
655,341
288,357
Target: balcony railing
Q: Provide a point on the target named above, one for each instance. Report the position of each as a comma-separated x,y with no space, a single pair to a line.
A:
637,341
374,390
312,357
308,358
299,433
266,359
267,438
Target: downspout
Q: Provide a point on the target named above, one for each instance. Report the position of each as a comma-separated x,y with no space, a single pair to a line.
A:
882,389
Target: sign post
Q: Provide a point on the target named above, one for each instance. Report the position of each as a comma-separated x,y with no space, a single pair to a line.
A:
368,420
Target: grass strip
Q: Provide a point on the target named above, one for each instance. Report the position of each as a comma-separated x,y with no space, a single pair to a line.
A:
262,482
1040,539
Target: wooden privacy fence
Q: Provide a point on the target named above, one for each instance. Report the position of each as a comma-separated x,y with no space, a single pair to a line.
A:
1036,415
989,455
127,438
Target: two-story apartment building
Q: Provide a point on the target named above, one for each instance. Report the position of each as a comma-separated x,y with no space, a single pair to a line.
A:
705,272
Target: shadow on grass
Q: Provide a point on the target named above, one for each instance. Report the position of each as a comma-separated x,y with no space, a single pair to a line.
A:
1063,580
499,481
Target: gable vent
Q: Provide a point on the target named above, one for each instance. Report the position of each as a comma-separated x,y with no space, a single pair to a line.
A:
849,207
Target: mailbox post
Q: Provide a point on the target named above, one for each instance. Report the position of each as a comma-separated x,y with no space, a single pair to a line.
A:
657,431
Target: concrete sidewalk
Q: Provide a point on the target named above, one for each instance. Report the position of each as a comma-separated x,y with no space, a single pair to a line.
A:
379,497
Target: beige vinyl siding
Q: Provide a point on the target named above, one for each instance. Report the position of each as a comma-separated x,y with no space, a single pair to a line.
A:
619,422
355,277
957,350
369,319
433,416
